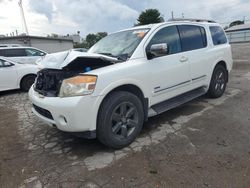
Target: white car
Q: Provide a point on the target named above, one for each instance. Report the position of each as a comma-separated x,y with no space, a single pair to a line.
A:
129,76
15,75
27,55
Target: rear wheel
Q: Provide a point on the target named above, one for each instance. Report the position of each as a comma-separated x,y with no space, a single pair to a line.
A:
27,82
218,82
120,119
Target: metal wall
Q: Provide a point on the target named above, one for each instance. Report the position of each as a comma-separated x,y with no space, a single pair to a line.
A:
239,36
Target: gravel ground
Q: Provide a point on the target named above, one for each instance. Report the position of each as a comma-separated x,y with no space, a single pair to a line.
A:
204,143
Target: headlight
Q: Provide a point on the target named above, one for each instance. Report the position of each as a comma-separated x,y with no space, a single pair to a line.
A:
78,86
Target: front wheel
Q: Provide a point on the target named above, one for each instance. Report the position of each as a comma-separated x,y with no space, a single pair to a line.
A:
120,119
218,82
27,82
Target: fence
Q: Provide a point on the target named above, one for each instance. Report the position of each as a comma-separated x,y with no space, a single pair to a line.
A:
238,36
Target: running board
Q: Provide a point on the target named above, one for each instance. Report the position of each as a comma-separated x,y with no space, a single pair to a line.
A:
176,101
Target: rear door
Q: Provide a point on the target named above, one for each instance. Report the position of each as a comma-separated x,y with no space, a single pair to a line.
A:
17,55
194,47
8,75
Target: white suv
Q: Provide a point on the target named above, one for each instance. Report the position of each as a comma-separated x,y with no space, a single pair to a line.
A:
129,76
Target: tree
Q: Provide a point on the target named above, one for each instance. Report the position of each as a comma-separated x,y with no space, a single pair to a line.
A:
237,22
91,39
149,16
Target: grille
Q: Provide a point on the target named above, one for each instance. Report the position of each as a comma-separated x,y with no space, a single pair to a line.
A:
43,112
48,81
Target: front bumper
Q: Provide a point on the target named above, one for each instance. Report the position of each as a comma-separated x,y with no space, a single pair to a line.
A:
70,114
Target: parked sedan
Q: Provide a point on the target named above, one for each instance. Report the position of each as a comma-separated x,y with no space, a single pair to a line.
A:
15,75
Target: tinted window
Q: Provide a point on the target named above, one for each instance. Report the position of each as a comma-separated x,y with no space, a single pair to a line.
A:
192,37
1,52
167,35
218,35
15,53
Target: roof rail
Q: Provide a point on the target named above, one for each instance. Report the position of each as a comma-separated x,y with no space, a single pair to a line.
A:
192,20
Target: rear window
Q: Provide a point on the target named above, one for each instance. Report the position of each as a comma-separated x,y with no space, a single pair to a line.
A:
192,37
218,35
15,53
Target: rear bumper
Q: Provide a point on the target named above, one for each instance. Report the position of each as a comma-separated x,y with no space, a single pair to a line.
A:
70,114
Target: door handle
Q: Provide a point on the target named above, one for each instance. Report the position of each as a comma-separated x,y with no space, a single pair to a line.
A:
183,59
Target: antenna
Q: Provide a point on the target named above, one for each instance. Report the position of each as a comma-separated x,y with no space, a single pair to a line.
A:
22,14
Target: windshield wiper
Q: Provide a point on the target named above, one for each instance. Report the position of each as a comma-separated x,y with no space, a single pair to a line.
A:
108,54
121,57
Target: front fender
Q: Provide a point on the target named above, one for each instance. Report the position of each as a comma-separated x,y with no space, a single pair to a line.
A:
113,85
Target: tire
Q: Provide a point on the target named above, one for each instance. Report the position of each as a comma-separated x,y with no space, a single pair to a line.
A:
218,82
120,119
27,82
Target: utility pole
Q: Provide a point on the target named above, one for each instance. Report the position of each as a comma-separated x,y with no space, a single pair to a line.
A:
23,17
182,15
172,14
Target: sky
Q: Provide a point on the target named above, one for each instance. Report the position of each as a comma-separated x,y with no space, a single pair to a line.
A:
90,16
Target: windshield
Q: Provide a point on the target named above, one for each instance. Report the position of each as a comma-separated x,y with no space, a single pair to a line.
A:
121,44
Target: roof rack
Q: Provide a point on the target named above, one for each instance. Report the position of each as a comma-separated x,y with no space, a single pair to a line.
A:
192,20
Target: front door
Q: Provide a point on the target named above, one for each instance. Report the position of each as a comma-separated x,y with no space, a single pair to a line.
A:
170,75
8,76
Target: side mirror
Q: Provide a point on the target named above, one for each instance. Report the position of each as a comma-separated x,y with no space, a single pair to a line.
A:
42,54
157,50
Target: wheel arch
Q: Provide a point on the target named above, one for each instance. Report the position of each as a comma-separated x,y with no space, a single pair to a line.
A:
24,76
224,64
134,89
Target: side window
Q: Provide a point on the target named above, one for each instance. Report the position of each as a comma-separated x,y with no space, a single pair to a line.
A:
192,37
15,53
4,63
218,35
168,35
33,52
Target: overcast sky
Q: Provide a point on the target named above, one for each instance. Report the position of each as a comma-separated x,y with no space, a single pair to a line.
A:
90,16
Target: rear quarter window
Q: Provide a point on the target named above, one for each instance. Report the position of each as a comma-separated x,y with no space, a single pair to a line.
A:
218,35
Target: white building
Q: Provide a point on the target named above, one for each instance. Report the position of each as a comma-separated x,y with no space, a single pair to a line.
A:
47,44
239,33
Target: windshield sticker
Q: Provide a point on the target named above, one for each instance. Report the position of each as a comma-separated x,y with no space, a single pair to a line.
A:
140,33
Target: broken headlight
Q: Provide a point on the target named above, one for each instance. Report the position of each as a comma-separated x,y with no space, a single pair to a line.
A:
78,86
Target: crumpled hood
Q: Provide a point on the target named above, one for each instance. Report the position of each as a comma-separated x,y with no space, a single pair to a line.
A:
61,59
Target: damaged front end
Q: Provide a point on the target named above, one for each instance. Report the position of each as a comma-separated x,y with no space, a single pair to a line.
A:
50,78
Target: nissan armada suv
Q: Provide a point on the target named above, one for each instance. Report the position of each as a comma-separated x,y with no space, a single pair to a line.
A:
129,76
